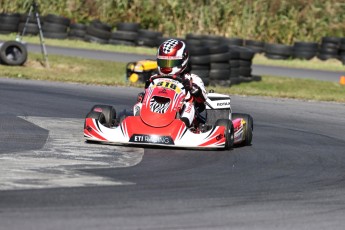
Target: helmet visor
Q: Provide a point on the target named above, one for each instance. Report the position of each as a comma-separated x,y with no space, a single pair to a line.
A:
169,63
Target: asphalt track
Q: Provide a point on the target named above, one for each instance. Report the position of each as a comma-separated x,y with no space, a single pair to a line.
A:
332,76
292,177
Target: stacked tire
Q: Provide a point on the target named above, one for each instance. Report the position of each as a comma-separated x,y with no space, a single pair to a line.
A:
278,51
77,31
246,56
329,48
13,53
199,61
98,32
148,38
255,46
220,66
31,28
233,41
126,34
55,26
9,23
342,50
305,50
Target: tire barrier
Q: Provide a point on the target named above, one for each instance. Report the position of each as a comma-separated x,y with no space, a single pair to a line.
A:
9,23
305,50
13,53
217,60
77,31
98,32
278,51
126,34
55,26
329,48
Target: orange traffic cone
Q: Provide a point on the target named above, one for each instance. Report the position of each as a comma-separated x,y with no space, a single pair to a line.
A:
342,80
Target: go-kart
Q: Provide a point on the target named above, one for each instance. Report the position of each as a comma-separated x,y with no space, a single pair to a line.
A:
157,121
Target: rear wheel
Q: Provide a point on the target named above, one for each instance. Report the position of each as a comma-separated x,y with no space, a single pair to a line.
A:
229,132
248,128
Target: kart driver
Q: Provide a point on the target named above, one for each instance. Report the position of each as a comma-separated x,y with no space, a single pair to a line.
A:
172,60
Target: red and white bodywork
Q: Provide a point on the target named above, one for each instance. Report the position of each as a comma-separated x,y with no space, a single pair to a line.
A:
157,122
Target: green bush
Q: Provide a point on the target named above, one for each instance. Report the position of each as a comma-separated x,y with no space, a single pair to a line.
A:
280,21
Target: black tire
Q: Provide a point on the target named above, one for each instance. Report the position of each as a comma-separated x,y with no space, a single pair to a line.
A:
76,33
276,56
32,18
96,115
220,57
244,53
198,50
101,25
245,71
77,26
149,34
306,46
128,26
248,129
245,63
13,53
55,35
121,42
52,18
254,43
335,40
233,41
99,33
54,27
219,74
108,112
194,36
200,60
200,67
90,38
217,49
229,132
279,49
146,41
304,55
193,42
31,28
124,35
325,57
234,72
201,73
220,65
8,28
234,63
12,19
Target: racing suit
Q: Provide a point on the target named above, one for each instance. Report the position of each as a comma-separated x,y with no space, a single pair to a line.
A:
192,108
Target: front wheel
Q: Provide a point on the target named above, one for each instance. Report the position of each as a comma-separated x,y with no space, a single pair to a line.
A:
228,133
108,112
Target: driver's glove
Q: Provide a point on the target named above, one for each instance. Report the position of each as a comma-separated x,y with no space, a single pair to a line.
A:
195,90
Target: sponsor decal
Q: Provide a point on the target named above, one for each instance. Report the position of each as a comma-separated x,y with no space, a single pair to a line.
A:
223,103
98,110
219,137
155,139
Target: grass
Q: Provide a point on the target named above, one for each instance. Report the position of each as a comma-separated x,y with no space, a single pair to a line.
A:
315,63
284,87
82,44
86,71
68,69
